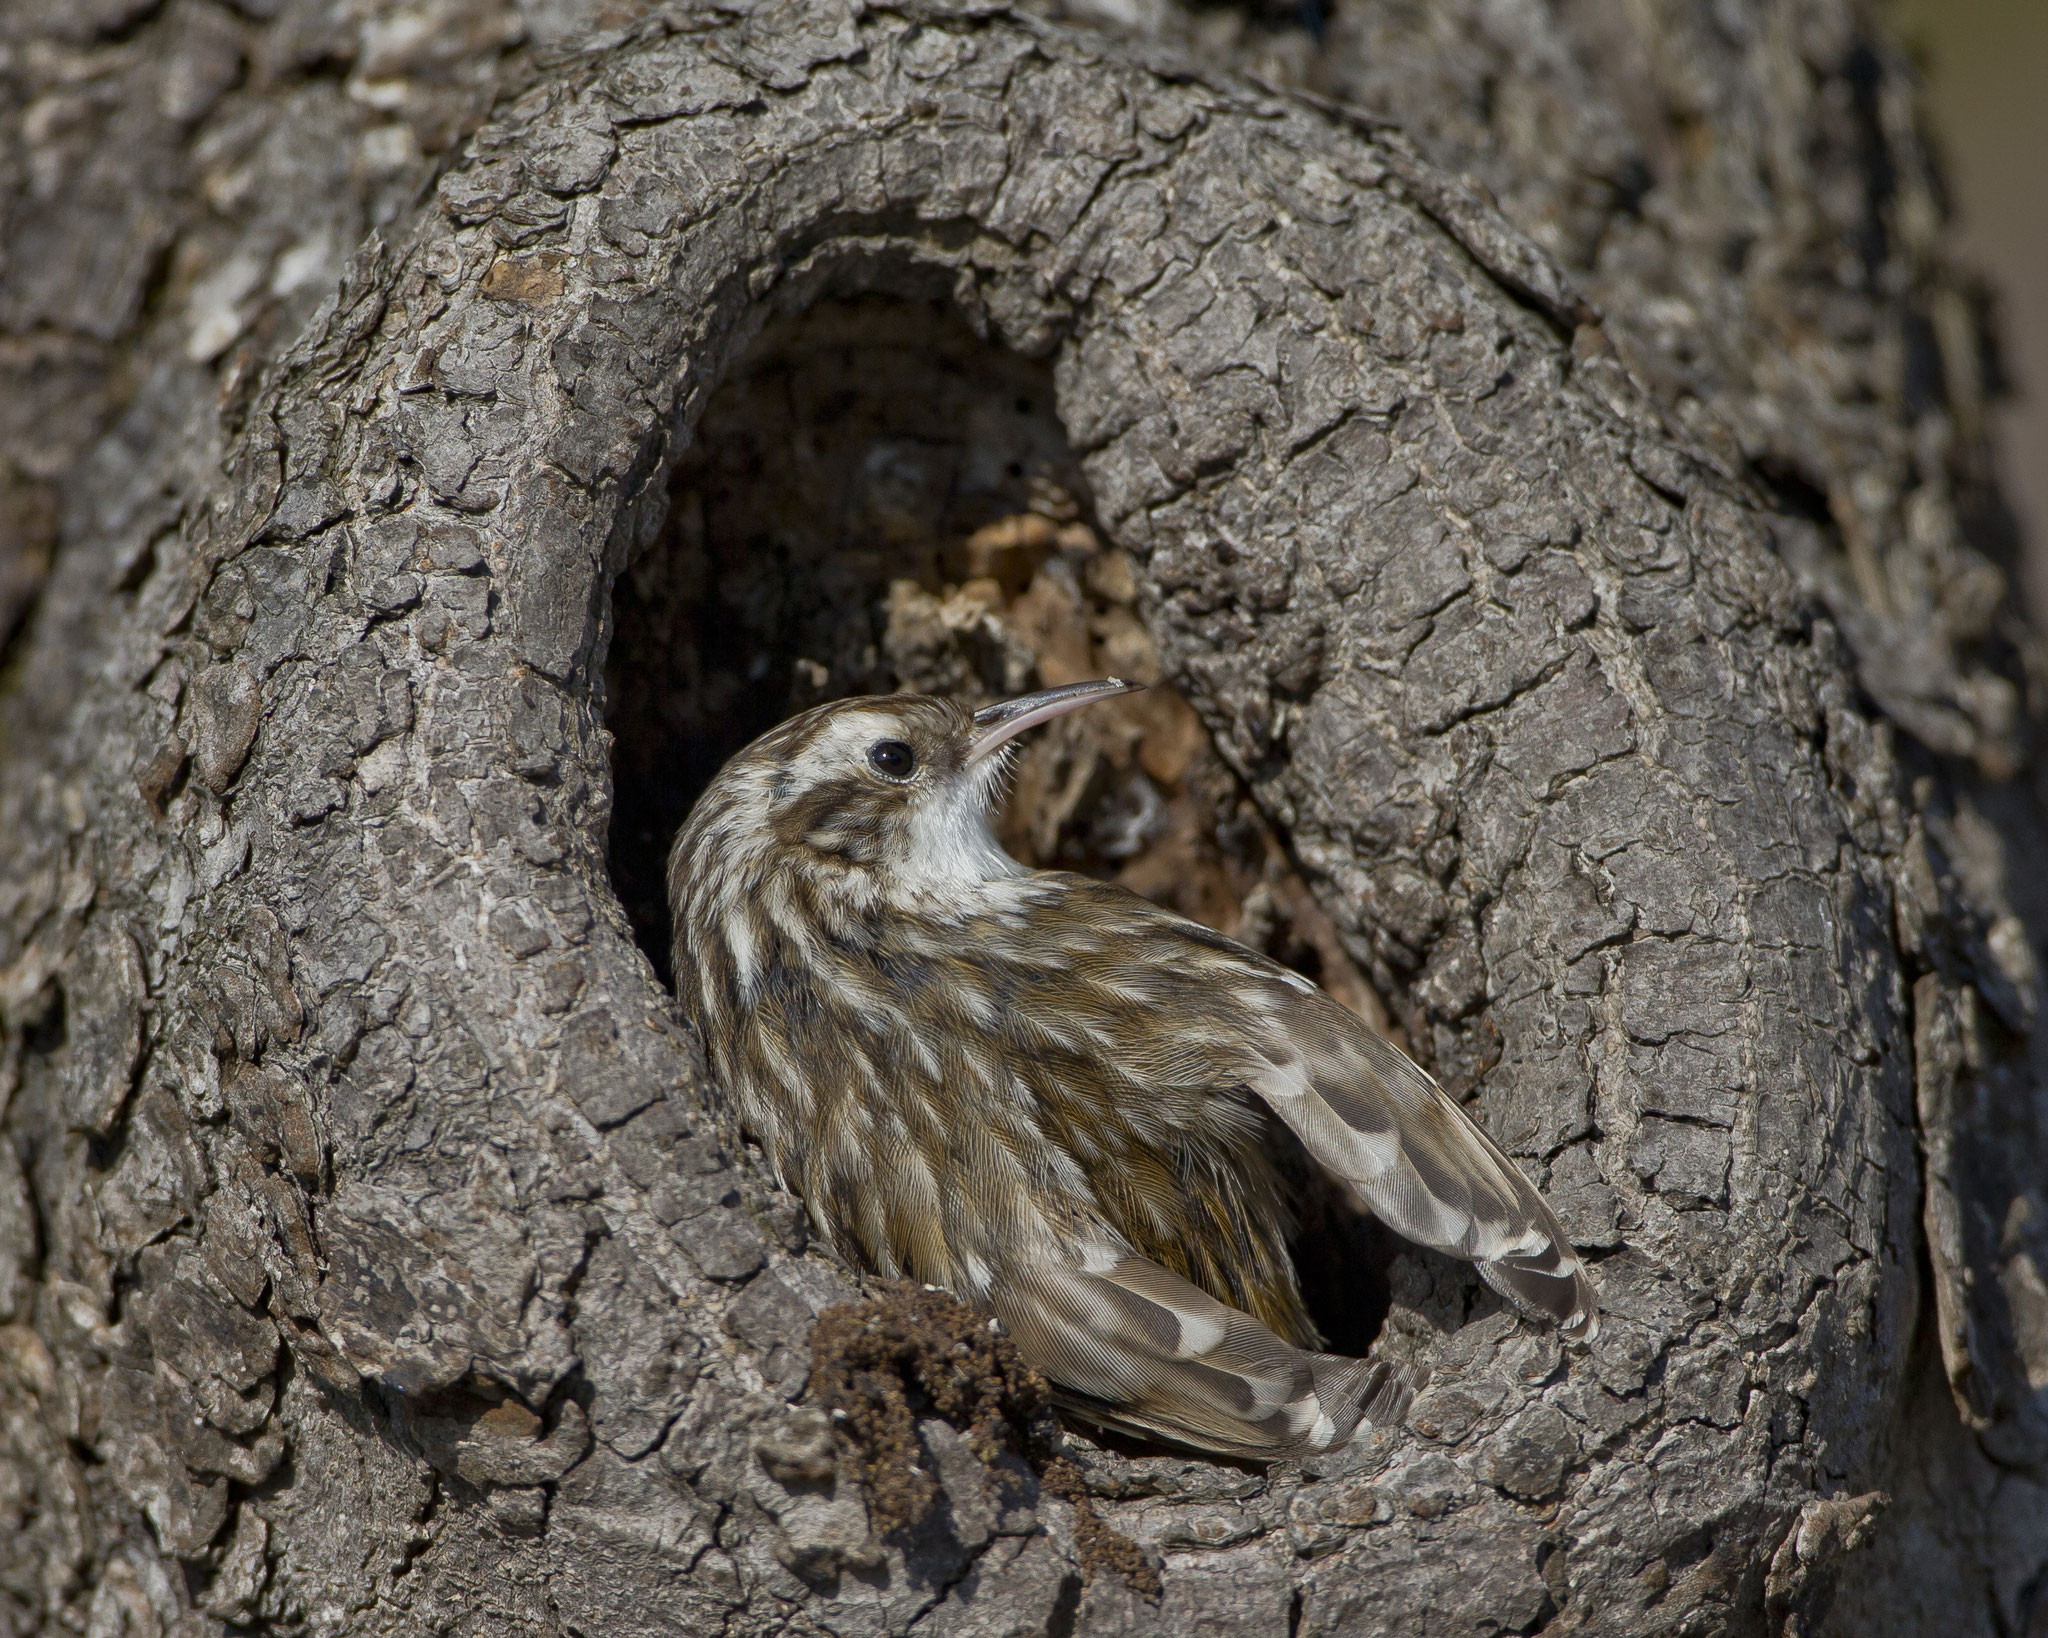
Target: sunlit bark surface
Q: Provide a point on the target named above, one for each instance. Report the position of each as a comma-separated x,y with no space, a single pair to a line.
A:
1538,449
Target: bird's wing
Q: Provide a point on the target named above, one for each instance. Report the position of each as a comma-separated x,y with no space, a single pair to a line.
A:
1137,1348
1364,1112
1372,1119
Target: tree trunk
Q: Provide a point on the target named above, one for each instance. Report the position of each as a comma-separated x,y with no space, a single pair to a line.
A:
1590,595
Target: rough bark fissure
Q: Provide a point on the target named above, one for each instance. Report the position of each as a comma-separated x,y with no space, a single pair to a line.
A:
359,1169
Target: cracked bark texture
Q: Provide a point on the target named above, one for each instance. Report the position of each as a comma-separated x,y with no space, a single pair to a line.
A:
1594,582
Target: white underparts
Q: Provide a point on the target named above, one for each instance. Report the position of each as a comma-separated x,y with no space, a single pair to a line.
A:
952,850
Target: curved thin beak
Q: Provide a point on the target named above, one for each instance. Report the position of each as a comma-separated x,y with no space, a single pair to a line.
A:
1000,723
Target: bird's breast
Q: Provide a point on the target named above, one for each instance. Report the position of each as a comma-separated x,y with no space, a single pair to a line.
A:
931,1083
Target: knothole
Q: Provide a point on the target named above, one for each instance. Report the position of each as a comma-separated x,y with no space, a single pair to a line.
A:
878,499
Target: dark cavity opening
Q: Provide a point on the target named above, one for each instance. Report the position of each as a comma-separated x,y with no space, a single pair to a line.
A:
856,449
877,499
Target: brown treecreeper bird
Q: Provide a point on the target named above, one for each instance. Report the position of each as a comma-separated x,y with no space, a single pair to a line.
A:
1053,1098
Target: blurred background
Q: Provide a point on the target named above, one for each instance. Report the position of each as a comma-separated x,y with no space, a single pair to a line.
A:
1986,63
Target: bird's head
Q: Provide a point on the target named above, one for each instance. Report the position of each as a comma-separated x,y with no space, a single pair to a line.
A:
900,783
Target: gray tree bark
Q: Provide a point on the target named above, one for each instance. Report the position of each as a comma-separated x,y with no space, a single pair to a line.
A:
1594,584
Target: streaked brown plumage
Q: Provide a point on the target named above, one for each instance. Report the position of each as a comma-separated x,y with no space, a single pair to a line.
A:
1053,1098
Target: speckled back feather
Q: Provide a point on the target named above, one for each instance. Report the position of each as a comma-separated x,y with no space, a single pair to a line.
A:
1054,1098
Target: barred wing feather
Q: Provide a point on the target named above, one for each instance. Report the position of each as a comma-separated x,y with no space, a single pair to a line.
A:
1137,1347
1377,1123
1362,1110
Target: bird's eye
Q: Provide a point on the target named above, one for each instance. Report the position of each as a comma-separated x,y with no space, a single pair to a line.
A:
892,759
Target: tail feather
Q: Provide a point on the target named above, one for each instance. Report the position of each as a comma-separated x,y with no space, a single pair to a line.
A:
1381,1392
1135,1347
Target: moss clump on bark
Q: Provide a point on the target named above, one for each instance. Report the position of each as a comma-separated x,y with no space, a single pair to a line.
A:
913,1350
